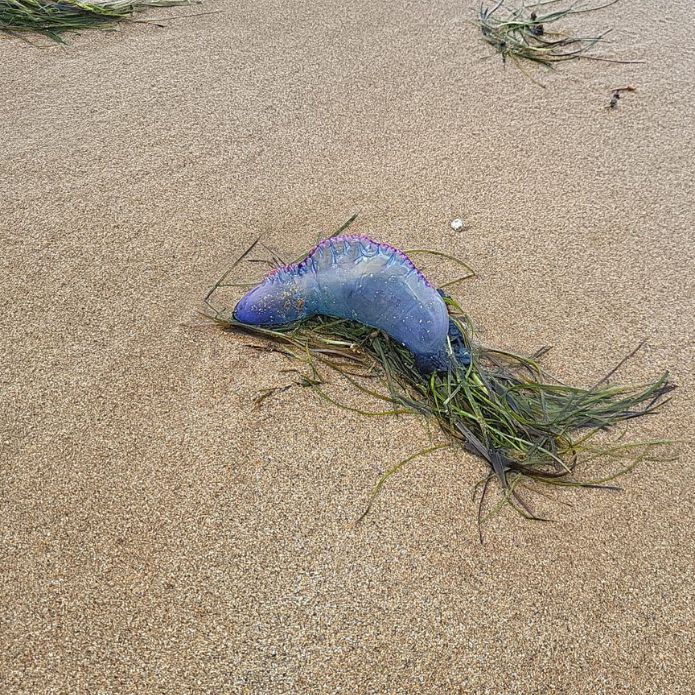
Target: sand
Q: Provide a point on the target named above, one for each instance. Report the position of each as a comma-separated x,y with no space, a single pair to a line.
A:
160,536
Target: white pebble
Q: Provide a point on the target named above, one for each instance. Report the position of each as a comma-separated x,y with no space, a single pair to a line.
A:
457,224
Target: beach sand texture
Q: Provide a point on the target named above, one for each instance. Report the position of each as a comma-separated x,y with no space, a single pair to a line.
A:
160,536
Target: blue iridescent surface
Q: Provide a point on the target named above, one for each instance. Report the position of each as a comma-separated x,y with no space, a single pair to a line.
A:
354,277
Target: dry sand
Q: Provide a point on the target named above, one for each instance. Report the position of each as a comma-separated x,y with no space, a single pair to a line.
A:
158,536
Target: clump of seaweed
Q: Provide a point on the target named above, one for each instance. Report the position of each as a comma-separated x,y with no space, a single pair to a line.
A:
55,17
526,32
528,427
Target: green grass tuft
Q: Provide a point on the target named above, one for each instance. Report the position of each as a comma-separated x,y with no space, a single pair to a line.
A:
55,17
526,32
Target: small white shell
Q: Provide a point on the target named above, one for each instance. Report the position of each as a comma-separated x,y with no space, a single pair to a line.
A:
457,224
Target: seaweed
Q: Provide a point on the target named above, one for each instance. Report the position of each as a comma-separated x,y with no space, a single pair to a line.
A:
525,32
529,427
52,18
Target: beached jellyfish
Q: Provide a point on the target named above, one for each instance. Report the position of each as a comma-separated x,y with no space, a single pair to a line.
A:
356,278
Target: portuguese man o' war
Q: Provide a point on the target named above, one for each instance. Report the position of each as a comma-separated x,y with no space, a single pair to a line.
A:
356,278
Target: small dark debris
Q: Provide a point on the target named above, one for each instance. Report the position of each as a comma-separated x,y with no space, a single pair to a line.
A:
615,95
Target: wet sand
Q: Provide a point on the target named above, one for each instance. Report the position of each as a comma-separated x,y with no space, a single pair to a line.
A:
160,536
